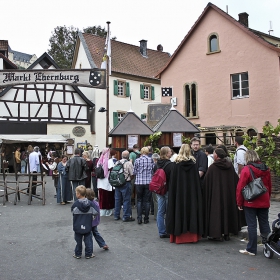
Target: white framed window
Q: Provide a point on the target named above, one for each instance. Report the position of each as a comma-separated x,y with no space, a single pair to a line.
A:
121,88
147,92
240,85
120,116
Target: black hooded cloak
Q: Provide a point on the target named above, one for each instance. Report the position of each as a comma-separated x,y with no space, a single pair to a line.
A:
221,215
184,211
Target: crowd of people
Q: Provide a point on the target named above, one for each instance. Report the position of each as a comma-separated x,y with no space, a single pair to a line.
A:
202,199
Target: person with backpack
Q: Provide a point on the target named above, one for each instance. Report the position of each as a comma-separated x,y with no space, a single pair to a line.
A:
120,177
166,166
239,156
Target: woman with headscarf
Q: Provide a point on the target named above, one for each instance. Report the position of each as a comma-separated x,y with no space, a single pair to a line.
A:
106,192
89,162
184,216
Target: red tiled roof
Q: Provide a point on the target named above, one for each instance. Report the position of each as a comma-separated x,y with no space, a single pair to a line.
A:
126,58
9,63
4,45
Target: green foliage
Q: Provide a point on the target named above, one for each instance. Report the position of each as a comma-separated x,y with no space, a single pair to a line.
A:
153,141
266,150
63,41
186,140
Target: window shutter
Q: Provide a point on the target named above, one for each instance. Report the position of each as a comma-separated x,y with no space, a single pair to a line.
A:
115,87
127,90
115,118
143,116
152,93
142,91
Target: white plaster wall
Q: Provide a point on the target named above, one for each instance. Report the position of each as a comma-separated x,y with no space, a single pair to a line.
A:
1,63
67,129
98,97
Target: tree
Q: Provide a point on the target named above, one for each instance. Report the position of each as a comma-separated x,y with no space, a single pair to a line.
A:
62,43
63,40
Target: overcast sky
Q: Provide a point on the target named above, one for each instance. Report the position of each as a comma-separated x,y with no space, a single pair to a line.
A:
28,24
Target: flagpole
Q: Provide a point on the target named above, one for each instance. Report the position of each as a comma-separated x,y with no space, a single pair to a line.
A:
107,93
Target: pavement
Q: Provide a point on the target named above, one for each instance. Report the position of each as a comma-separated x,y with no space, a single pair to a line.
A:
274,210
37,242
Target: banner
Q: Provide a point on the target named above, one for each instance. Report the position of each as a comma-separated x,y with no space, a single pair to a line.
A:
95,77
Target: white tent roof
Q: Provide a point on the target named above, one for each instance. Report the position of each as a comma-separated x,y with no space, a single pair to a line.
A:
16,138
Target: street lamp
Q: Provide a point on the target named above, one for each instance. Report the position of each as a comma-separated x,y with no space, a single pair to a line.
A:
102,110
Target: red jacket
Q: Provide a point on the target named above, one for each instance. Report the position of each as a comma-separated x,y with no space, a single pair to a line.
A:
259,170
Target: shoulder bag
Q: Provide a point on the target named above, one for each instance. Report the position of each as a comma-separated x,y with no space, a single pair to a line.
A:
254,189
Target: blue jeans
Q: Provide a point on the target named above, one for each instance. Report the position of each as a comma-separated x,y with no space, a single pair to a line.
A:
251,215
162,207
143,199
88,244
98,238
123,195
74,185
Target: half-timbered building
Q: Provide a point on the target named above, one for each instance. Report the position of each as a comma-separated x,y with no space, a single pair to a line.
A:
45,109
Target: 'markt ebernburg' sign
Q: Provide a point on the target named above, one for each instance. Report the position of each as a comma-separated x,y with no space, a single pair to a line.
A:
87,78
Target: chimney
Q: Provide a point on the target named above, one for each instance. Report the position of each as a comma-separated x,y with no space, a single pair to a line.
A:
160,48
243,18
143,47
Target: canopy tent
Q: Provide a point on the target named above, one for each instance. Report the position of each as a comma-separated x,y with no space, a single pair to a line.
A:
17,138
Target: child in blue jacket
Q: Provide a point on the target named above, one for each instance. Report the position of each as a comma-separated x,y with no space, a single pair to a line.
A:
98,238
83,212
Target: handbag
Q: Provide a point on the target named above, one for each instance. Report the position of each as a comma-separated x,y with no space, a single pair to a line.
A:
99,172
254,189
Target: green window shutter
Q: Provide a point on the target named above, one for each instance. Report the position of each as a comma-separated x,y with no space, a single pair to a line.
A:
115,87
127,91
143,116
152,93
115,118
142,91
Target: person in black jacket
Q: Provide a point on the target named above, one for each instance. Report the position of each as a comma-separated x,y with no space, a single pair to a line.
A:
83,211
76,168
164,163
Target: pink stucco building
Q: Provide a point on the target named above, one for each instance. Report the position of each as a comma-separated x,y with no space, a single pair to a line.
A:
225,74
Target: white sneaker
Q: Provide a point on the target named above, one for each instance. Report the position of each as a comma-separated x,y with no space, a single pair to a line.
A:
245,252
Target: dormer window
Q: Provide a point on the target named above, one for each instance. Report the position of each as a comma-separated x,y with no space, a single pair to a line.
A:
213,43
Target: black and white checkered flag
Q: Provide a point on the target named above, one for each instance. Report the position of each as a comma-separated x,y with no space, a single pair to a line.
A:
166,91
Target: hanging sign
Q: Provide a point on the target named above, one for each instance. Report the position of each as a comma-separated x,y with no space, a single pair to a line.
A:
95,77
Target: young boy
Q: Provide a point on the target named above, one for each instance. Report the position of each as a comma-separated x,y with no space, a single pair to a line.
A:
83,211
98,238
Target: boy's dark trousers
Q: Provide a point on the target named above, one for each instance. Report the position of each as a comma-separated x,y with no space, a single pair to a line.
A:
88,244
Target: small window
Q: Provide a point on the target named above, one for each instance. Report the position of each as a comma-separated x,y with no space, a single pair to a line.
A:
213,43
240,85
147,92
121,88
191,100
117,117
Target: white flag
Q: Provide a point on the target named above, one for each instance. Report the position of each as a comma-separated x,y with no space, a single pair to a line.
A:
107,54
